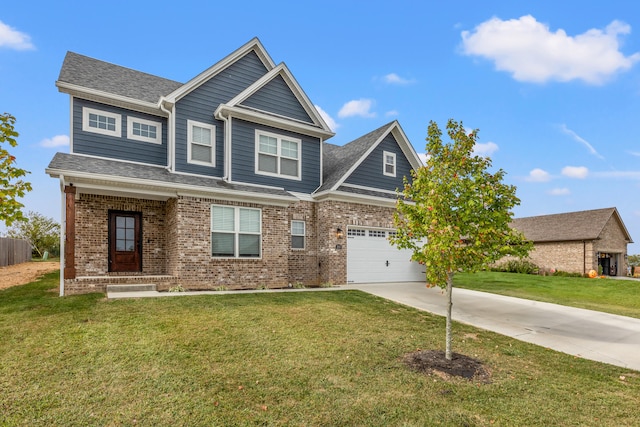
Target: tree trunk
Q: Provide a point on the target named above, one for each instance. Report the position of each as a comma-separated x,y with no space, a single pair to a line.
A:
449,305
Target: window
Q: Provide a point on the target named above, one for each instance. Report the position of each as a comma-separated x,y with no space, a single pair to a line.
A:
101,122
377,233
144,130
201,144
356,232
235,232
277,155
297,234
389,163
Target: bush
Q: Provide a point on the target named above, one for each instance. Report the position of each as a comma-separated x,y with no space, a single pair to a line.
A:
565,274
521,266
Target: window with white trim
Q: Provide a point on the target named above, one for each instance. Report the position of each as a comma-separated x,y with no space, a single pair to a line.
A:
277,155
144,130
235,232
389,163
297,234
102,122
201,143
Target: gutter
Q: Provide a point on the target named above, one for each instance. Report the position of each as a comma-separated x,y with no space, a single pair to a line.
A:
227,142
170,133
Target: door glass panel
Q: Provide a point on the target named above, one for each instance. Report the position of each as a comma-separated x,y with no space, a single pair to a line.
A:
125,234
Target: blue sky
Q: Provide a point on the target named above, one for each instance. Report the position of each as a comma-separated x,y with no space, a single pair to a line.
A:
553,87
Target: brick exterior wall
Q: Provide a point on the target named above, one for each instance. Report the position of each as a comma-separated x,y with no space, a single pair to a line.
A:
579,256
177,244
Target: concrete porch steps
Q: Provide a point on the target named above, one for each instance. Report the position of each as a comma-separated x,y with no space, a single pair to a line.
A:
141,287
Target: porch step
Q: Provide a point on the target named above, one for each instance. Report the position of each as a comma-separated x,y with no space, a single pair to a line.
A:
131,288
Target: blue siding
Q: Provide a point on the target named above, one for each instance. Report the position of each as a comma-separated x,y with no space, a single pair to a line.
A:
200,104
243,153
276,97
113,147
370,172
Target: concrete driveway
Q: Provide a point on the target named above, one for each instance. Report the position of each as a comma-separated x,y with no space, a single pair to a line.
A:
589,334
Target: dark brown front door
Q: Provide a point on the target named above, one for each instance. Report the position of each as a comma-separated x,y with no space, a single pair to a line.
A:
125,243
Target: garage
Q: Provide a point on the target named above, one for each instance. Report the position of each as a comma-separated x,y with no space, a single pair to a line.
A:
371,258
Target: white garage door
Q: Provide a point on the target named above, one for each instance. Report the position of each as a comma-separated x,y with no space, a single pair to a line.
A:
371,258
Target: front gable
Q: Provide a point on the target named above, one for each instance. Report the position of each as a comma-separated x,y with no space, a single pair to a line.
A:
276,97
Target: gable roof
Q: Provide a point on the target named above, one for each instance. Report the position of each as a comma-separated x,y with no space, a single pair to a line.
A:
571,226
340,161
235,106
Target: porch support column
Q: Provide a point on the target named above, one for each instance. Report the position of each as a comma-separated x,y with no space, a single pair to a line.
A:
70,233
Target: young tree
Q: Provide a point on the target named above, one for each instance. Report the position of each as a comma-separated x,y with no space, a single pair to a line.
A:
42,232
11,184
454,214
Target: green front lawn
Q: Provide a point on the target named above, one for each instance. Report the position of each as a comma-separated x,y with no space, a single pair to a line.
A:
310,358
608,295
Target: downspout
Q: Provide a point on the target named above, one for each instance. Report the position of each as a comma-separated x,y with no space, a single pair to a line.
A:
63,218
584,257
170,137
227,144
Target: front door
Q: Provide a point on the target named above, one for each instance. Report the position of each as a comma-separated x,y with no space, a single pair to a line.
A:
125,243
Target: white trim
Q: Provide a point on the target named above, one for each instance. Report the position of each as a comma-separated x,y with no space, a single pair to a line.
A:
71,134
236,231
362,187
82,92
130,135
278,155
212,129
86,126
386,154
342,196
273,120
303,235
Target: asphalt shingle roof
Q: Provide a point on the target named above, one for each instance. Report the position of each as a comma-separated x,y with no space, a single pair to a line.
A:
94,74
571,226
90,165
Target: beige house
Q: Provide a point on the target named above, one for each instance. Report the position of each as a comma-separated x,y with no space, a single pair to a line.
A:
578,242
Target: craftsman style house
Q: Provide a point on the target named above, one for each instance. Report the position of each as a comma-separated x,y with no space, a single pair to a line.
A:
223,181
578,242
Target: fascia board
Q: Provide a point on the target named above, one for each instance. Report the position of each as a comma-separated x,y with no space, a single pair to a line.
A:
271,120
341,196
254,44
110,99
406,146
106,182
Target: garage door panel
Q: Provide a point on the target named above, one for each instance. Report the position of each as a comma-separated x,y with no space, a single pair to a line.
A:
372,258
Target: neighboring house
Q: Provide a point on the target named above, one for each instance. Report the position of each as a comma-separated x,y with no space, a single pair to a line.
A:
223,181
578,242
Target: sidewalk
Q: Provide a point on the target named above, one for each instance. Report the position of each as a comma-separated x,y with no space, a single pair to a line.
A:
589,334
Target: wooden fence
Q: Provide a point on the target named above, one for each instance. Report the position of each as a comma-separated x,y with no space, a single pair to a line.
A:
14,251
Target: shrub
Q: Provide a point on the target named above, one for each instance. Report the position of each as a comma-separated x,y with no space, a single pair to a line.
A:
521,266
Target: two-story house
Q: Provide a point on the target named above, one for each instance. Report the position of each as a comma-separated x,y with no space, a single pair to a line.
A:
223,181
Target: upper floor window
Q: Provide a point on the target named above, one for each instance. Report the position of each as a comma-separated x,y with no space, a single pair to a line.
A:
102,122
297,234
201,143
277,155
144,130
235,232
389,163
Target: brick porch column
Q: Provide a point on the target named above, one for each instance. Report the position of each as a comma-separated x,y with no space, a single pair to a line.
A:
70,233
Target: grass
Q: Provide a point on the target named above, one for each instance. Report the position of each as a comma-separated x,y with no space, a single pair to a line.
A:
608,295
311,358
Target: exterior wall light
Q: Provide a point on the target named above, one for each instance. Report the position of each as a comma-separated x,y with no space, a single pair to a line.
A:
339,233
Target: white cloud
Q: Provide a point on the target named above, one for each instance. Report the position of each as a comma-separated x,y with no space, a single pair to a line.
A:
327,118
531,52
56,141
395,79
618,174
634,153
538,175
485,149
14,39
392,113
579,172
559,192
357,107
423,157
581,140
